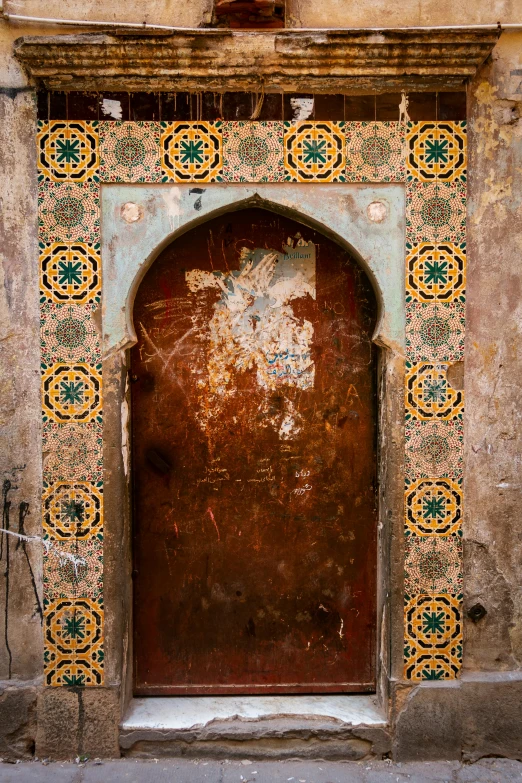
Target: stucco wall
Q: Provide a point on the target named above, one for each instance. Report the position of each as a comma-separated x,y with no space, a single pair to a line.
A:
493,549
300,13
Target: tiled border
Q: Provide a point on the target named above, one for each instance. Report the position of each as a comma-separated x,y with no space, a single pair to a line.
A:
74,158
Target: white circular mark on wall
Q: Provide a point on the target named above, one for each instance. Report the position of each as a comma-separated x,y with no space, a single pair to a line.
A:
131,212
377,211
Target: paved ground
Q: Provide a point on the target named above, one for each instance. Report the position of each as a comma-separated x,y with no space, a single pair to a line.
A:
181,771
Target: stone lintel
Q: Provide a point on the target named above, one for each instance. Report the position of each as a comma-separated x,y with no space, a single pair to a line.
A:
349,61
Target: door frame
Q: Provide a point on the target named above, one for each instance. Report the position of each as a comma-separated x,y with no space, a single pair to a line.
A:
138,222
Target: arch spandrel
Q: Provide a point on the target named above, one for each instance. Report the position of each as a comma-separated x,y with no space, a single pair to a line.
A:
139,222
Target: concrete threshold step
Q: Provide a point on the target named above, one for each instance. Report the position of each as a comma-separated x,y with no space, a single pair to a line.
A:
347,727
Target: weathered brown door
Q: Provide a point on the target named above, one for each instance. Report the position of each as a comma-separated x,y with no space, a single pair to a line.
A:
254,463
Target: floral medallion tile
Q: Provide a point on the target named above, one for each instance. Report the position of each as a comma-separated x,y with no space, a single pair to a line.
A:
73,632
253,152
72,511
437,151
191,151
73,452
436,212
74,568
315,151
435,272
71,392
69,212
433,564
433,642
433,507
434,449
435,332
375,151
70,272
67,151
130,152
429,397
68,333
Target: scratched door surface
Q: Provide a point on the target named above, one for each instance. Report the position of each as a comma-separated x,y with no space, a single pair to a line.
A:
254,463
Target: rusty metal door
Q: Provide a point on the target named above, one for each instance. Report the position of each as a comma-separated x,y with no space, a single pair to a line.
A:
254,463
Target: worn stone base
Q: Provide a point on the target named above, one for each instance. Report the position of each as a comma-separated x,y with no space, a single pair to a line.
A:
272,738
17,719
78,722
308,727
477,716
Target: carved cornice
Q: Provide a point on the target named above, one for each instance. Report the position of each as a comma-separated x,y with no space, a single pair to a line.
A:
349,61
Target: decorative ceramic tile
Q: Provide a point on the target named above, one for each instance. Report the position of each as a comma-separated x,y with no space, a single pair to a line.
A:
69,212
436,212
253,152
70,272
130,152
375,151
435,332
434,449
71,392
433,507
315,151
435,272
73,638
433,158
74,568
191,151
437,151
73,452
68,333
433,643
67,151
433,564
72,510
429,397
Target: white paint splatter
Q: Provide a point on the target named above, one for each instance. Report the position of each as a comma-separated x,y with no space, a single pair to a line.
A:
50,548
111,108
302,108
254,326
172,199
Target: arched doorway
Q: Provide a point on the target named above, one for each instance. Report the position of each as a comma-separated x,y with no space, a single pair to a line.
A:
254,463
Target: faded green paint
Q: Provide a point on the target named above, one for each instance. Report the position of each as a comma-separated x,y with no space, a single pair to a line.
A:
159,213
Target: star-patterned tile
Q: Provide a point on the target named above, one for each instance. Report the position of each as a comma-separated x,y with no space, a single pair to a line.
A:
437,151
433,507
315,151
433,640
70,272
435,272
191,151
67,151
429,395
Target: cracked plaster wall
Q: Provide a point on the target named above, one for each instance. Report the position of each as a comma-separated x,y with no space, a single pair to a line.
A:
493,440
20,420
